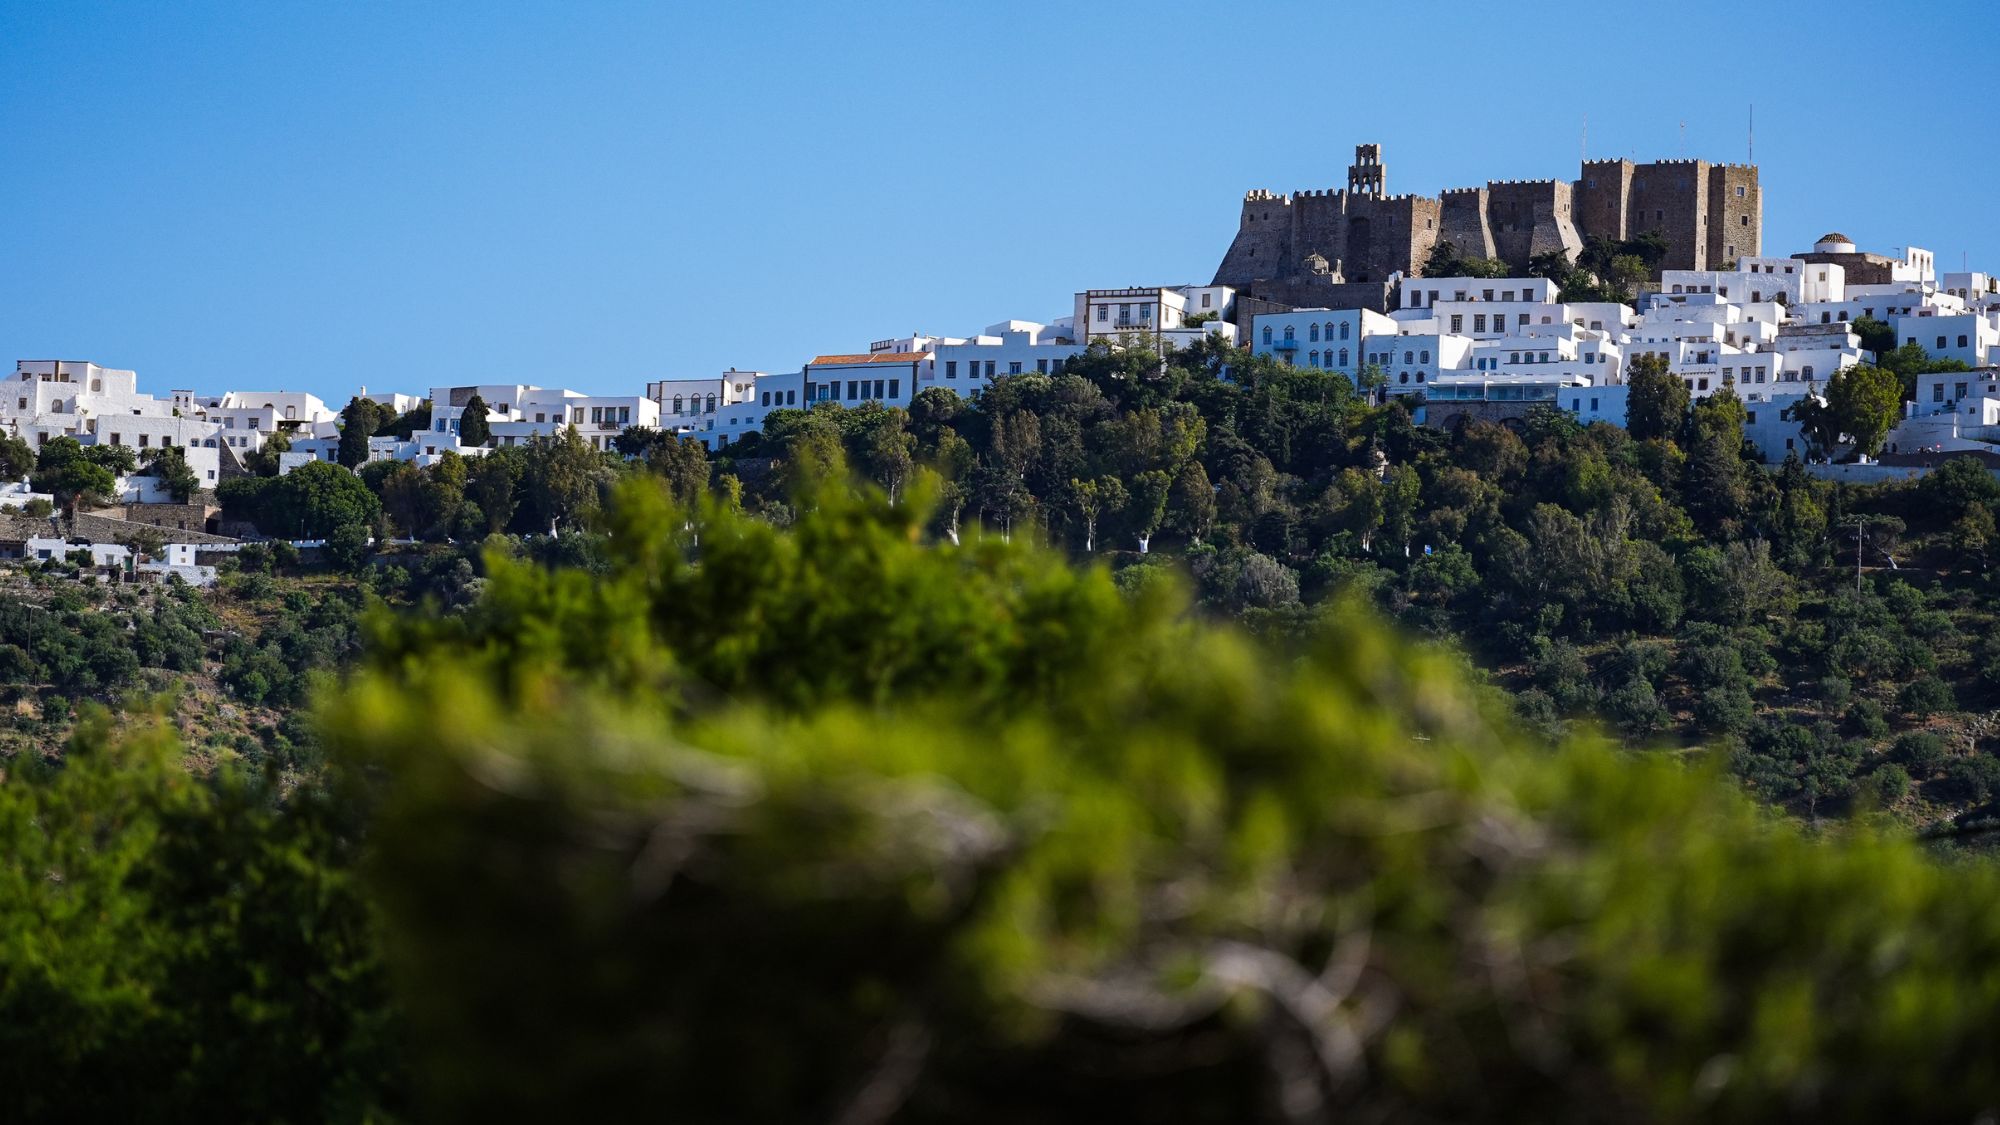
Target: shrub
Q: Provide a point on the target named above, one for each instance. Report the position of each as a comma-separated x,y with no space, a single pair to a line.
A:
1926,696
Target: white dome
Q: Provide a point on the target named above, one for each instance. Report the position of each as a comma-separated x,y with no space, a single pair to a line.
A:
1834,243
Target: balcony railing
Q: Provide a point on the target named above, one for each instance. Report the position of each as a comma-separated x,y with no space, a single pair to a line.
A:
1286,345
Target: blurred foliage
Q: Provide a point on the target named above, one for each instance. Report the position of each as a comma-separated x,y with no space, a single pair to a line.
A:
175,948
827,823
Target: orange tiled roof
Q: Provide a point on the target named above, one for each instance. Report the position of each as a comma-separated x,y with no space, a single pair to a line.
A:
871,357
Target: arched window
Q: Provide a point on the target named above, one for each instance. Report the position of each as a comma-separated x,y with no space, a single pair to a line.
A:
1312,358
1267,333
1313,334
711,404
1405,378
680,405
1288,332
96,386
1343,357
1343,330
55,405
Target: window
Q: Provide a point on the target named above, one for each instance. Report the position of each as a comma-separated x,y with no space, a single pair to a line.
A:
1312,358
853,390
1524,319
1941,343
1424,356
1343,330
1041,367
1103,313
767,398
791,397
1750,416
1808,371
1409,357
989,369
878,390
1205,299
1593,405
1961,341
1479,322
1267,333
1343,357
951,369
1288,335
1457,323
1312,333
895,387
1486,294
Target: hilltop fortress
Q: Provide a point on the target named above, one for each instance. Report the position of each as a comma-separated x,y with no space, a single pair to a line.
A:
1342,248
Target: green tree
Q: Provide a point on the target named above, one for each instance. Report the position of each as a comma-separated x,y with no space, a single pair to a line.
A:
1877,336
1146,505
1865,403
491,483
17,458
1094,498
70,474
169,463
358,422
684,464
1193,502
264,461
473,430
316,501
1656,403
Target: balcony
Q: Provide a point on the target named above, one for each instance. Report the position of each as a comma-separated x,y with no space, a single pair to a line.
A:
1286,345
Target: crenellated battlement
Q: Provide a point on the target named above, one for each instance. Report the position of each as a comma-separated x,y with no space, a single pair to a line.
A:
1713,216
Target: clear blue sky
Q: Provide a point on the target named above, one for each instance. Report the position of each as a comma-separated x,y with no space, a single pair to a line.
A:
319,196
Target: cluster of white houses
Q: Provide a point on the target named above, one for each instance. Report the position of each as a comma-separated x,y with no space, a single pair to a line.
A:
1774,329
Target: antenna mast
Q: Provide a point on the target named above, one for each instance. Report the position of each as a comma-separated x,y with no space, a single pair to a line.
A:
1753,132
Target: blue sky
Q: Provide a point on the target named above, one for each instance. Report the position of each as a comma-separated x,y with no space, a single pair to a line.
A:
321,196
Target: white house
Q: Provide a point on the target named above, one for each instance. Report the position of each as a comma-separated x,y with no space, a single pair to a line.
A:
1177,316
888,378
1012,347
1326,339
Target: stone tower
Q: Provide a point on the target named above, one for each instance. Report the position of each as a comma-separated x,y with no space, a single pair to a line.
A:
1365,175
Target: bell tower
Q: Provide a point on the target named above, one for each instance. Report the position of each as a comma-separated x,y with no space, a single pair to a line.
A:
1364,176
